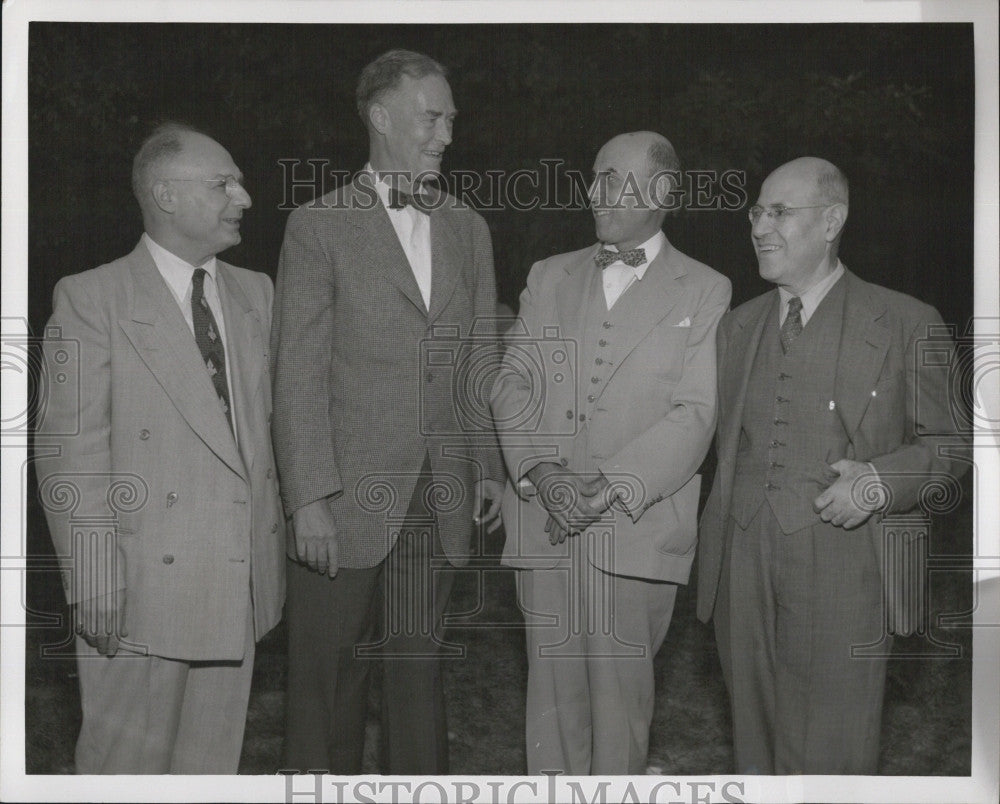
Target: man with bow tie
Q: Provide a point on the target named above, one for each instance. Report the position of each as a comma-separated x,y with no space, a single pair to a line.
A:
602,450
381,471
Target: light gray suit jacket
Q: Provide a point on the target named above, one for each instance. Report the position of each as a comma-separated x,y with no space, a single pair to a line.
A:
141,442
367,381
649,425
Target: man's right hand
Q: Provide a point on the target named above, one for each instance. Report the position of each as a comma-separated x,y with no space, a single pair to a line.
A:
101,621
316,542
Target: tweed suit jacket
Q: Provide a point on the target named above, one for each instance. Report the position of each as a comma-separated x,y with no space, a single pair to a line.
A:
649,425
895,415
141,448
367,381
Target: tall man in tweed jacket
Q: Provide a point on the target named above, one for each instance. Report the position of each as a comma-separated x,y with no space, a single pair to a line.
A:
381,286
622,417
822,414
173,528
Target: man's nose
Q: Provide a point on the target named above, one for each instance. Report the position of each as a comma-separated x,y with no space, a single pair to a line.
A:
762,225
240,197
443,132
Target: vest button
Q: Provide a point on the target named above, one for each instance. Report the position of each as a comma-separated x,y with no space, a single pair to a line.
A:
606,325
599,361
144,434
171,498
563,462
569,414
168,559
583,417
772,487
602,342
591,397
595,380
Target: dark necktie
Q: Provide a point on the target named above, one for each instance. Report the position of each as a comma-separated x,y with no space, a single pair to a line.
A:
209,340
398,200
792,327
633,257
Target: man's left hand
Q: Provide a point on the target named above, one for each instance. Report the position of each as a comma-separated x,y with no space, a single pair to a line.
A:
489,513
843,503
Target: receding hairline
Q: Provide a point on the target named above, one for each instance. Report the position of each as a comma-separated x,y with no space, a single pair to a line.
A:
385,74
829,182
165,142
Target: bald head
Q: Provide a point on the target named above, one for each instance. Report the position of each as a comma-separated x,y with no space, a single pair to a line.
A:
822,180
631,185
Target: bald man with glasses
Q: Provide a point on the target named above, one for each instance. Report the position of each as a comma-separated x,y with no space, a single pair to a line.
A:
173,552
823,429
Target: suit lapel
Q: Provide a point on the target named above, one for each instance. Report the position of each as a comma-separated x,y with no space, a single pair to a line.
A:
646,304
246,355
375,237
864,343
572,301
161,337
734,376
446,261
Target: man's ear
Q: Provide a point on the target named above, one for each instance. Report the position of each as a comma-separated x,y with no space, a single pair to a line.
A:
378,116
164,195
836,217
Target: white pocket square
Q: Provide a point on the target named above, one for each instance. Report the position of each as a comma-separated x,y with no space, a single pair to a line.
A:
685,323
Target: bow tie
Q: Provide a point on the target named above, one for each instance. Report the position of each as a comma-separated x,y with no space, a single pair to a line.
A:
399,200
633,257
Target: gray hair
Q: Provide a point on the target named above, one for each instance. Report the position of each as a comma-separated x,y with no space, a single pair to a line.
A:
385,73
162,144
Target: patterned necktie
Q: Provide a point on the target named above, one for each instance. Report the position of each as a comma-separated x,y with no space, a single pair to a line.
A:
633,257
209,340
399,200
792,327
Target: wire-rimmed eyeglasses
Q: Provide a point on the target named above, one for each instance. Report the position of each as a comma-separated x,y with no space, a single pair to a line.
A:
778,212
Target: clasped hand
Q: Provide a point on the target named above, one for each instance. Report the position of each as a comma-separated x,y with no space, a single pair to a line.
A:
573,500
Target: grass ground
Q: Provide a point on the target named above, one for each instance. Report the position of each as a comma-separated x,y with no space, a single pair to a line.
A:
926,723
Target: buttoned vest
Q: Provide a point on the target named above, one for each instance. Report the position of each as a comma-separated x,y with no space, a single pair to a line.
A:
790,430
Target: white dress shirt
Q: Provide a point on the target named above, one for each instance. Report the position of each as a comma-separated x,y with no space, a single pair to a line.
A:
178,275
812,297
619,277
413,228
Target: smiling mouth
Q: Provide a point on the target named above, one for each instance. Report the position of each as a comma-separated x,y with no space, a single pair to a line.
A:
435,154
600,213
766,248
233,221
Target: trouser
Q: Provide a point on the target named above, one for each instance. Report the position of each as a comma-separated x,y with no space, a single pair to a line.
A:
790,607
338,627
148,714
591,639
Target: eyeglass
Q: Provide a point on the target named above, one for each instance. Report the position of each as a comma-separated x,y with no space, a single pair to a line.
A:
227,183
777,212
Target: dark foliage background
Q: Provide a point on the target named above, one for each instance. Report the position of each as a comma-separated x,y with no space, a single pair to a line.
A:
891,104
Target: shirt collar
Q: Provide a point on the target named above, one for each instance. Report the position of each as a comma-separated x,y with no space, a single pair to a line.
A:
175,271
652,247
812,297
382,187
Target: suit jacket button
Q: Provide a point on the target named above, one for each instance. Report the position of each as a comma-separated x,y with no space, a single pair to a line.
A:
168,559
274,528
270,473
564,462
569,414
171,498
602,342
590,397
430,376
583,417
144,434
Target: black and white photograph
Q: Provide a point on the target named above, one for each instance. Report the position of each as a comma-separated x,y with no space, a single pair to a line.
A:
500,402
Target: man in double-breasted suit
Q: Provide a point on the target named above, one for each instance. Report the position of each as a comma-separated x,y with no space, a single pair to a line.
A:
826,416
602,442
161,495
385,297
